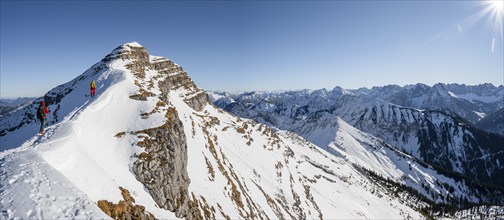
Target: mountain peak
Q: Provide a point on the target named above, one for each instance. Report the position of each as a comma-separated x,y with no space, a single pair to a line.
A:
132,50
128,47
132,44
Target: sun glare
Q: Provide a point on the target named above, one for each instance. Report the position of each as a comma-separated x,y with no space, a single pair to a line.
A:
498,5
495,12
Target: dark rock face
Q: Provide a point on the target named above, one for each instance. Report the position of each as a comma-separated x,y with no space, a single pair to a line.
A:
163,167
198,101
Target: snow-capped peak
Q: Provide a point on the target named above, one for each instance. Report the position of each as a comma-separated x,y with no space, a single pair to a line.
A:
132,44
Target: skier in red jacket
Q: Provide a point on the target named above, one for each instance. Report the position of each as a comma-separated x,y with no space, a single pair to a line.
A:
41,115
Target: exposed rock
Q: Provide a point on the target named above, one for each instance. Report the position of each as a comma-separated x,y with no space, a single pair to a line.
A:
142,95
194,96
125,209
177,77
198,101
137,54
162,168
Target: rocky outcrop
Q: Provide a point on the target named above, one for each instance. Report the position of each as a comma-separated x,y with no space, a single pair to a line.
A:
178,79
162,167
125,209
197,101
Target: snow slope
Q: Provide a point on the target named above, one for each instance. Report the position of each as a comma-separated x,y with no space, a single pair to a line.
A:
374,154
284,168
436,137
31,188
236,168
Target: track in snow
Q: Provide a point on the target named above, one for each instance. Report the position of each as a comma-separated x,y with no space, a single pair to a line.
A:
31,188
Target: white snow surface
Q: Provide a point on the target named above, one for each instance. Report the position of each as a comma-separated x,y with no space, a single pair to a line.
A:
79,160
336,136
480,114
370,152
452,94
133,44
32,189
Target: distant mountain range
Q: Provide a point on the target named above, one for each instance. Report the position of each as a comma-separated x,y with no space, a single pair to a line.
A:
9,105
470,102
439,125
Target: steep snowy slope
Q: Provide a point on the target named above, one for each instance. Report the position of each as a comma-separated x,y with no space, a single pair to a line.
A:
150,143
436,137
375,155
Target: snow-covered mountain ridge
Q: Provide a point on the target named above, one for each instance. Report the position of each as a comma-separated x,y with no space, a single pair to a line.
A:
9,105
438,137
151,141
470,102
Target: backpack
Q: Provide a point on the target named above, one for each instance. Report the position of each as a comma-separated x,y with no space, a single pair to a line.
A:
40,112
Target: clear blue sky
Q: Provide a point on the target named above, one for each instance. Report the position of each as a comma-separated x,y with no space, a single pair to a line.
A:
255,45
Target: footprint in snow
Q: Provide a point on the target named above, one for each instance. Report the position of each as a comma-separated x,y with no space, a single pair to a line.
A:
30,213
13,180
